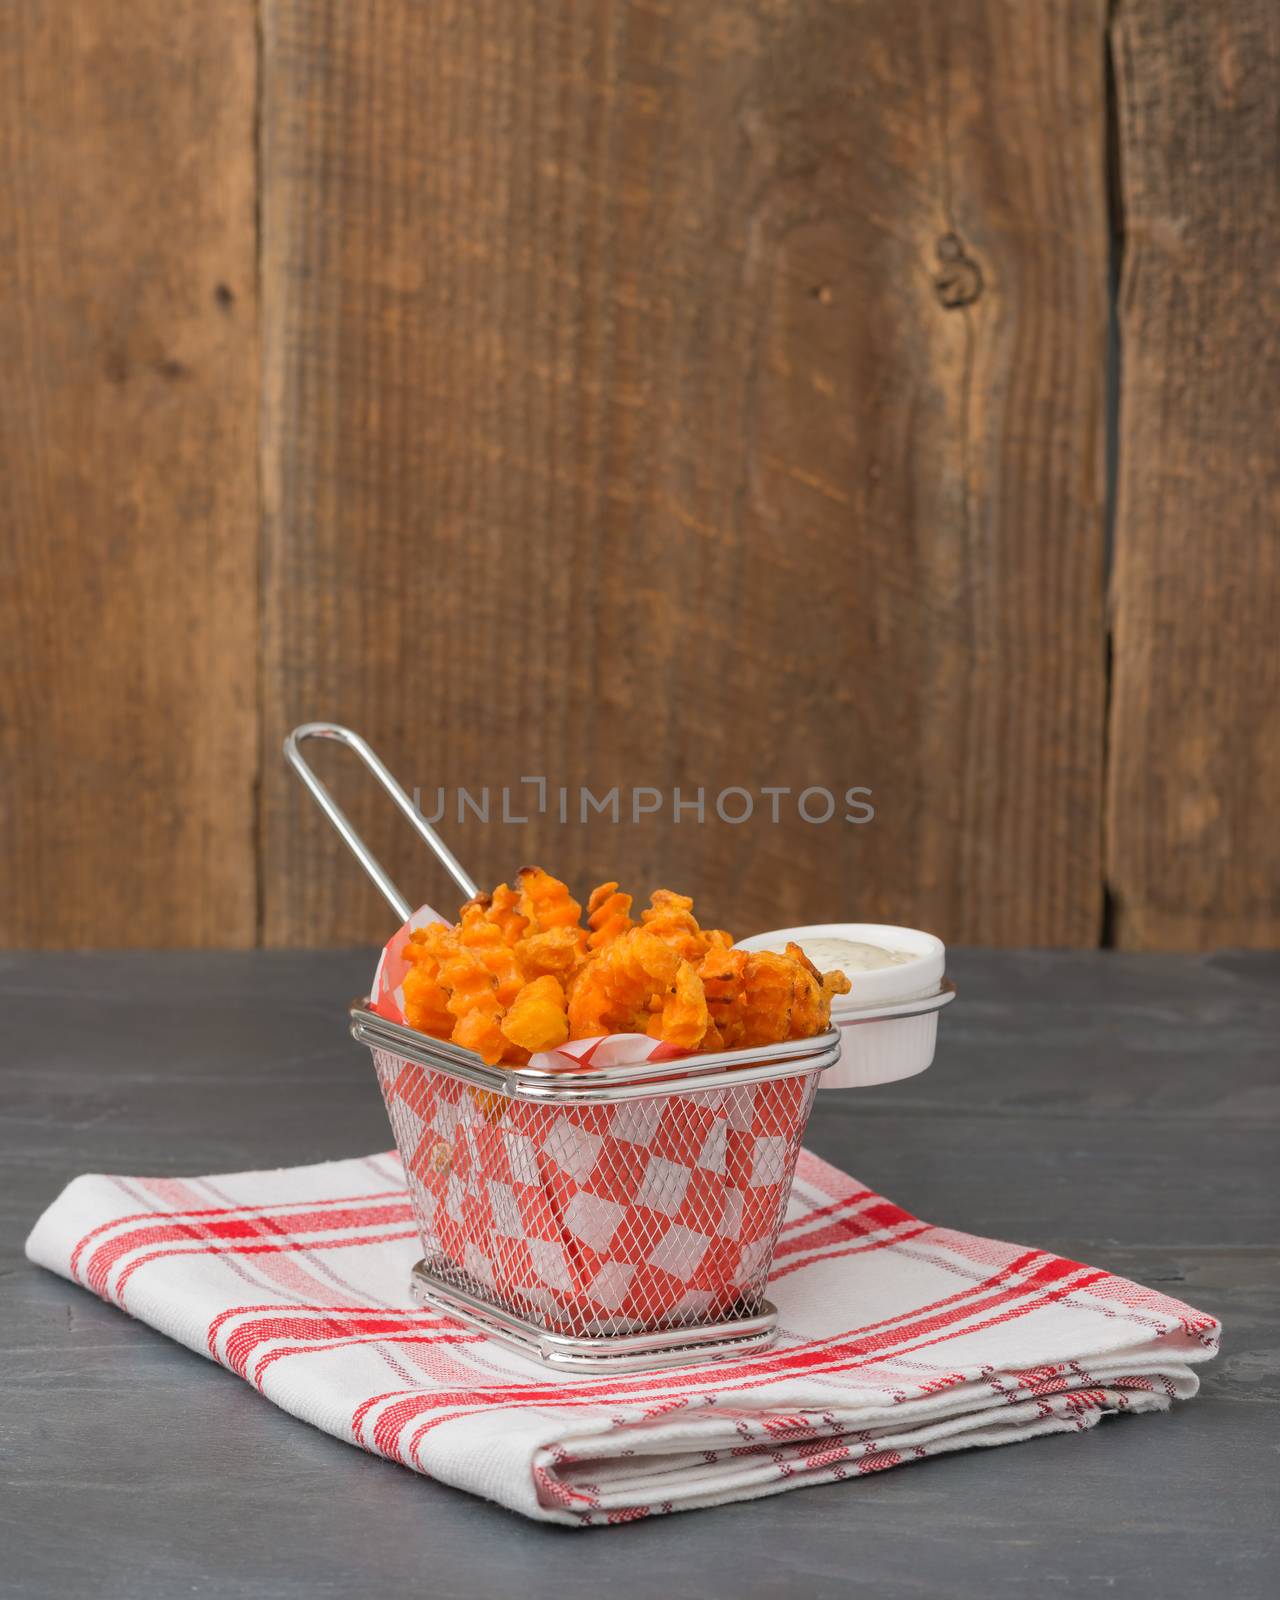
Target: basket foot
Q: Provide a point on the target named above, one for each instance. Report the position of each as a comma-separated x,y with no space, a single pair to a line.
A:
602,1352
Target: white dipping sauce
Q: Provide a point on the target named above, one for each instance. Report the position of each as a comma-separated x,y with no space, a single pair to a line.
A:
849,956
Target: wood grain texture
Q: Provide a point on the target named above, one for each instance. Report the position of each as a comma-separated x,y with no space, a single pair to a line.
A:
1194,854
701,396
128,503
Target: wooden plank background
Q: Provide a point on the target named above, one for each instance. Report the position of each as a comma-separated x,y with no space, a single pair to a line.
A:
128,473
694,396
1195,724
645,394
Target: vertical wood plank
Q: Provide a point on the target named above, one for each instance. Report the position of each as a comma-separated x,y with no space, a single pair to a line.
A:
702,396
1195,721
128,502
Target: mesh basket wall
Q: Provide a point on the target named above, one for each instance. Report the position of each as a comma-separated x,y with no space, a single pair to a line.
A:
645,1214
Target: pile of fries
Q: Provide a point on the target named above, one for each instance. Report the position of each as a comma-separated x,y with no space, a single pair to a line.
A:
520,972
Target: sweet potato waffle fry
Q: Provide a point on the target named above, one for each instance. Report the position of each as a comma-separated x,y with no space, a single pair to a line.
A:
519,973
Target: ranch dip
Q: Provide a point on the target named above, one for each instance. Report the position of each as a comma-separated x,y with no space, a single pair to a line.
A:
850,956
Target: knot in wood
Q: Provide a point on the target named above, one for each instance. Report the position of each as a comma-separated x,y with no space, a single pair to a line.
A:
958,280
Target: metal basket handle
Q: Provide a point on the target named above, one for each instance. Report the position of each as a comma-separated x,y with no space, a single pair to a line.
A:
332,730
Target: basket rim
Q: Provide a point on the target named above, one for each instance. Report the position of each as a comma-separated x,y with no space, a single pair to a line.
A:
597,1085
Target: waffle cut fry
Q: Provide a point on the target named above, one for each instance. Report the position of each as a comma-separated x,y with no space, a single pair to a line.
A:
722,973
608,915
473,1000
639,984
811,1010
768,997
502,909
545,902
670,917
558,952
615,990
426,1000
684,1017
537,1020
477,932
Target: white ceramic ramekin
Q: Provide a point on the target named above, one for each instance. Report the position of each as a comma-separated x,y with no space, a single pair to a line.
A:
876,1052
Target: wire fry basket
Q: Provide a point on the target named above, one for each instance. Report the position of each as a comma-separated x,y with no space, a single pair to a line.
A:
608,1215
605,1217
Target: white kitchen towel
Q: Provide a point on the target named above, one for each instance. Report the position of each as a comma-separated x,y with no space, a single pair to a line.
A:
899,1340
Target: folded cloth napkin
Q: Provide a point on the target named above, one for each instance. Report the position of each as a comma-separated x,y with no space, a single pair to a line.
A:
899,1340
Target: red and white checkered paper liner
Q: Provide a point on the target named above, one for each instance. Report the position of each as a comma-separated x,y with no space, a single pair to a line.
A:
899,1341
584,1219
